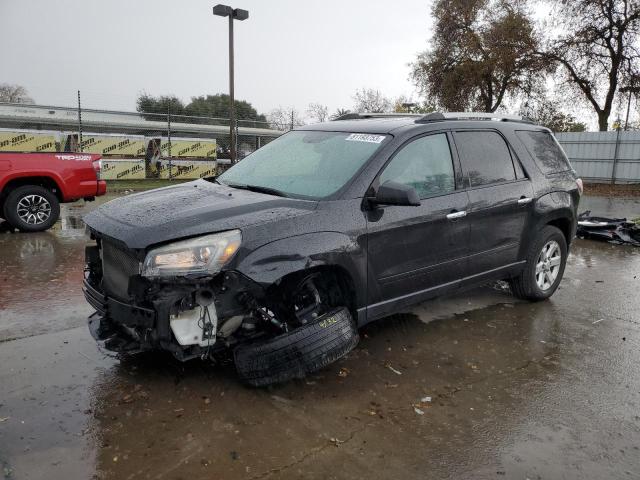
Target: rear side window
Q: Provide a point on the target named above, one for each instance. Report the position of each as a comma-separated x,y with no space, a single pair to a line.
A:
485,158
542,146
424,164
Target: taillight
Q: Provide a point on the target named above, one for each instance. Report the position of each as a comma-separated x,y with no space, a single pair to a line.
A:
580,185
97,166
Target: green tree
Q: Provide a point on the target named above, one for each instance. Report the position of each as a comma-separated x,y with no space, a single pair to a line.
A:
217,106
597,51
162,104
482,51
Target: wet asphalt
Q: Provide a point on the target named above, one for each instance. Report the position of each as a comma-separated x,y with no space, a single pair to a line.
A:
478,385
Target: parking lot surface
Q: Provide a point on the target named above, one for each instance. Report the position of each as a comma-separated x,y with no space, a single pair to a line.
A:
478,385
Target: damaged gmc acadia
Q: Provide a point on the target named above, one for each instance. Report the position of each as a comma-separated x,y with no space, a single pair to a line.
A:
280,259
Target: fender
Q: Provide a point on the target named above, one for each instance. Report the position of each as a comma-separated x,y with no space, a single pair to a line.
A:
53,176
273,261
556,206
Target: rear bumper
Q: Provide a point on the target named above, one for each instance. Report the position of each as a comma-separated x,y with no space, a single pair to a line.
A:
102,188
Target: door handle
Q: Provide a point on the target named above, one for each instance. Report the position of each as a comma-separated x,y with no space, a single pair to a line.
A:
525,200
456,215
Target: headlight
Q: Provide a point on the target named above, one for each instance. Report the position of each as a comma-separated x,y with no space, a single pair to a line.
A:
197,256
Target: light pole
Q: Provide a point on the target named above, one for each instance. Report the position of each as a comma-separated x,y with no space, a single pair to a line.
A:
631,90
233,14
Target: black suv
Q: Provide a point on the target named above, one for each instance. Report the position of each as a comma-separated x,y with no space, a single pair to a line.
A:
280,259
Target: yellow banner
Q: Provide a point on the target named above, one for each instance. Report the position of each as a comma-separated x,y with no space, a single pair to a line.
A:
113,146
122,170
187,169
27,142
185,148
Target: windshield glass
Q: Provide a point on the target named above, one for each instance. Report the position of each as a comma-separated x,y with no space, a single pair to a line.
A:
308,164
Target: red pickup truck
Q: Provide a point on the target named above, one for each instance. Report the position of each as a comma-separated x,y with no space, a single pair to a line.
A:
32,186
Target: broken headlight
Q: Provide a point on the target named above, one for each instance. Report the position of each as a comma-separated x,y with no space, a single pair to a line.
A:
194,257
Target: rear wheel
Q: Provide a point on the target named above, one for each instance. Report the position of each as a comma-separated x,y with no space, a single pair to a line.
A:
546,260
31,208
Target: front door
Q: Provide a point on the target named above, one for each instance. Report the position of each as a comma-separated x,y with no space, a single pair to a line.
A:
415,252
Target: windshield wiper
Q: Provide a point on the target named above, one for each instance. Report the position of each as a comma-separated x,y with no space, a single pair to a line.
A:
259,189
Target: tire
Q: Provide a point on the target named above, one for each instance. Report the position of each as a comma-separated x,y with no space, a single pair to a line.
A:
299,352
526,285
19,201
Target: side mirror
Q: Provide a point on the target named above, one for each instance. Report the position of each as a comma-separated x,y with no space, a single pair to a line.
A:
394,193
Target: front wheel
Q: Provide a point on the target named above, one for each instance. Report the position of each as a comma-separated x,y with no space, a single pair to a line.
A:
546,260
31,208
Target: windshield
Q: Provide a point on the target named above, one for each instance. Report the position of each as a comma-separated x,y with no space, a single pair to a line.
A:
308,164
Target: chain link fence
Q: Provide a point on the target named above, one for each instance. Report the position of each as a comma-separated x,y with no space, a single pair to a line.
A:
133,145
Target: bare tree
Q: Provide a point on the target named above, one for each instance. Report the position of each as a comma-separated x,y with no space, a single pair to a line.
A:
598,48
14,94
284,118
318,112
371,101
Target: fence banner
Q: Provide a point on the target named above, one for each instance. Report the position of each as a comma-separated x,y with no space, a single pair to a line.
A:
26,141
187,169
113,145
189,148
122,169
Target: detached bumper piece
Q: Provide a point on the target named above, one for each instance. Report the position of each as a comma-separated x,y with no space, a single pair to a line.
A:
614,230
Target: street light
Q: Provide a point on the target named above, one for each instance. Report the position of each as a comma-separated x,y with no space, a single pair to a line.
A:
233,14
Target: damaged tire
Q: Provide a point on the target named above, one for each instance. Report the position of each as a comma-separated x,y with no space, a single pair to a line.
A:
299,352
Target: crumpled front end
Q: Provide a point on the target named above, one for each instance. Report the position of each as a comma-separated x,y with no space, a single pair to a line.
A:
190,317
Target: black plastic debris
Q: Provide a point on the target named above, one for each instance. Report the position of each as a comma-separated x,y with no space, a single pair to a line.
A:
614,230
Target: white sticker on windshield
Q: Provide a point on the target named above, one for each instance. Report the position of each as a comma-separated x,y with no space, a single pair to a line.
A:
365,137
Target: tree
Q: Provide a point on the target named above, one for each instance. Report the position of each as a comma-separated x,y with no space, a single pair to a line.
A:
285,118
318,112
597,50
545,112
482,51
339,113
159,105
368,100
14,94
416,107
216,106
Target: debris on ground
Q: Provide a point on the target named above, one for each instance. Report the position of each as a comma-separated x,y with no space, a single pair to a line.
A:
418,411
336,441
614,230
397,372
344,372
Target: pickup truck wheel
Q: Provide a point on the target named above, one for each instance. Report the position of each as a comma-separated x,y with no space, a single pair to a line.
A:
297,353
546,259
31,208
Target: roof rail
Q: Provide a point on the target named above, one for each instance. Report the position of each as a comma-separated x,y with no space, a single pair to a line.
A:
360,116
498,117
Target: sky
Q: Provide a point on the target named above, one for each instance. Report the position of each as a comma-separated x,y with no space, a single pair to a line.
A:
288,53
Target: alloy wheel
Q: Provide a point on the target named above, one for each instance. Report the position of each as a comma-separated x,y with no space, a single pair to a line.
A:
548,265
33,209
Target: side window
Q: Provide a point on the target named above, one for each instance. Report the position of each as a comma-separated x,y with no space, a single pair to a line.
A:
545,151
485,157
424,164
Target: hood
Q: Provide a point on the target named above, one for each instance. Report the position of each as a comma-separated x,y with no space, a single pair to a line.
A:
186,210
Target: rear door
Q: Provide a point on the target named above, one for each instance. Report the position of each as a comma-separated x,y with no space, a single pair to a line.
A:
500,200
414,250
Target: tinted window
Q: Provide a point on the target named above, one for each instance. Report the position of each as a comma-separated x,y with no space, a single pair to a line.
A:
545,150
424,164
485,157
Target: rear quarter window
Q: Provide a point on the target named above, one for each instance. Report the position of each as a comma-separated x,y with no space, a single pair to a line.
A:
545,150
